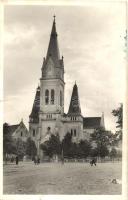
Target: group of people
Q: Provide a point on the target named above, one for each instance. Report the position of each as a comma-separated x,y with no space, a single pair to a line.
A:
16,159
36,160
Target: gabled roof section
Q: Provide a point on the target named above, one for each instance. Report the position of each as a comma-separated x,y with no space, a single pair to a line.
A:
74,108
13,128
91,122
34,116
53,48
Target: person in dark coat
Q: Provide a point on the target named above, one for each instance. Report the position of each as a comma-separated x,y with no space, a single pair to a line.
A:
12,159
17,160
93,162
38,160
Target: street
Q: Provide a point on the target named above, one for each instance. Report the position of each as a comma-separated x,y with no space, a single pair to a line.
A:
55,178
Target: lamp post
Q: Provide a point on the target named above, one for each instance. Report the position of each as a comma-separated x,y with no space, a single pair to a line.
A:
62,154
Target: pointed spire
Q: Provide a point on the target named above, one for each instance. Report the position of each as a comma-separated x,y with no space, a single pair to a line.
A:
54,33
53,49
53,57
74,107
38,88
54,18
34,116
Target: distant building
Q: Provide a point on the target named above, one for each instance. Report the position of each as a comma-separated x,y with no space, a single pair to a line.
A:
47,116
18,131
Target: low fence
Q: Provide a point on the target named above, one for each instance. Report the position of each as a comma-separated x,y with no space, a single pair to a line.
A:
99,160
66,160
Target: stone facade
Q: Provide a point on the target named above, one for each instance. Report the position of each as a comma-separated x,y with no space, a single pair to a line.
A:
47,116
18,131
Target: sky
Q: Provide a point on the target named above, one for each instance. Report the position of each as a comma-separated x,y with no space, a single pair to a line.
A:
91,39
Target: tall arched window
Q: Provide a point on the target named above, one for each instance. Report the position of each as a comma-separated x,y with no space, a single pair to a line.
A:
46,96
52,96
60,98
34,132
74,132
71,132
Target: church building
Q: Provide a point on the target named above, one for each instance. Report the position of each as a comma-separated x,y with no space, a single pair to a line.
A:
47,116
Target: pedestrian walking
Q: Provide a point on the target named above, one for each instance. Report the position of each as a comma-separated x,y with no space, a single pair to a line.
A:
62,160
93,162
35,160
12,159
17,160
38,160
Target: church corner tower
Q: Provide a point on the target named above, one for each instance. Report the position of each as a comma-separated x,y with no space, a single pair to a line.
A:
75,124
34,117
74,108
52,88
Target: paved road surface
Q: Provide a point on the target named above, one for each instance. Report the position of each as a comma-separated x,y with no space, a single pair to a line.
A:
54,178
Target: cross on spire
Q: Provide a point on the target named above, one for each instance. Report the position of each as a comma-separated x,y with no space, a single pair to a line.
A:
54,17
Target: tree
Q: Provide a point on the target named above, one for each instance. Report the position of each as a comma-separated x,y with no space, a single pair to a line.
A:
94,152
84,148
102,151
8,144
75,150
103,139
119,114
52,146
72,151
67,145
20,147
113,153
31,149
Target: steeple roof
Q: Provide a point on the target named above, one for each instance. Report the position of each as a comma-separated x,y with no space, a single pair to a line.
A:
34,116
53,48
74,107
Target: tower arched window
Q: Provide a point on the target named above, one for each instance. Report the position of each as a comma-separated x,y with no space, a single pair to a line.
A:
46,96
74,132
71,132
34,132
52,96
60,98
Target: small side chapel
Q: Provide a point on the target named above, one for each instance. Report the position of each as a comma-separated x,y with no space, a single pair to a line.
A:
47,116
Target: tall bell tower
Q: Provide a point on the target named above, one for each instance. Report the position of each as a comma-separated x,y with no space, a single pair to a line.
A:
51,87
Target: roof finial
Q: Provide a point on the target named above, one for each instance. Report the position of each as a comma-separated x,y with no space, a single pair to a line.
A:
54,17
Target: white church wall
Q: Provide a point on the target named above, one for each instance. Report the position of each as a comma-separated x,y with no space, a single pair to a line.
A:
21,132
